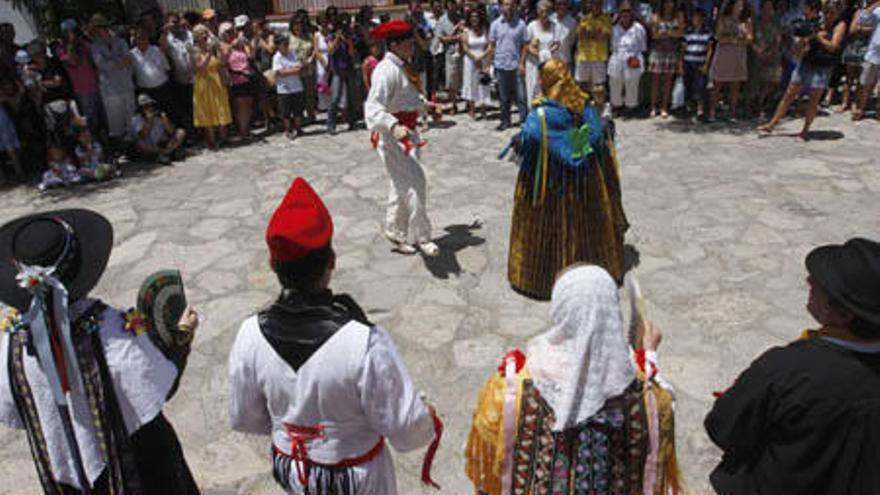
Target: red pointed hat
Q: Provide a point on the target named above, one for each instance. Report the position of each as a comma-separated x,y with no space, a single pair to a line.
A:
392,30
301,224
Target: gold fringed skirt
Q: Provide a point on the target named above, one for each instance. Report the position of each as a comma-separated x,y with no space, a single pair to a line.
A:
583,222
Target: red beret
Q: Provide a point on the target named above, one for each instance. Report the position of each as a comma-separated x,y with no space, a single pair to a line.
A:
391,30
301,224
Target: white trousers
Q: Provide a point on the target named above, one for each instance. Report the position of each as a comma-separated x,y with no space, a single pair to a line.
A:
406,215
618,86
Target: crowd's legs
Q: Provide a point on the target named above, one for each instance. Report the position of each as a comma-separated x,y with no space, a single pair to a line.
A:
181,112
242,109
510,90
733,97
624,88
310,96
868,80
342,85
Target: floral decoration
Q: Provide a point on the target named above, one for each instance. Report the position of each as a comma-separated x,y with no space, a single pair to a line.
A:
135,322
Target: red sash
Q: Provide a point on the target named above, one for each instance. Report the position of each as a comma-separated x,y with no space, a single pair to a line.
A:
299,453
407,119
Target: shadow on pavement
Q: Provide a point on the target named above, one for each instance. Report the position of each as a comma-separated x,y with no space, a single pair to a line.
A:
457,237
631,258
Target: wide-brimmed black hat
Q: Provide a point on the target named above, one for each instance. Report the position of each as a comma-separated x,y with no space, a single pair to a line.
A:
850,273
78,242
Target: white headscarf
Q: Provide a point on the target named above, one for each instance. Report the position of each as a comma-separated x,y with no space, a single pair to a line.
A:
584,359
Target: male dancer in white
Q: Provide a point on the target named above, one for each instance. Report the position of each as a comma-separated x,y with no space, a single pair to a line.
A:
392,111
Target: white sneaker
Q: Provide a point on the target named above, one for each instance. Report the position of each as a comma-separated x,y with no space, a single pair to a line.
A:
395,237
428,248
404,248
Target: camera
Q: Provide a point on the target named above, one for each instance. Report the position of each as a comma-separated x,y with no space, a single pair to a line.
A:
805,28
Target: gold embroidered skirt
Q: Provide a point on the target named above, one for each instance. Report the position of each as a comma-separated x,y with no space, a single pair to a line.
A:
582,222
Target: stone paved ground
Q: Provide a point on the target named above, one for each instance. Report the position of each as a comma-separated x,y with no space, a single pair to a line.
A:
721,221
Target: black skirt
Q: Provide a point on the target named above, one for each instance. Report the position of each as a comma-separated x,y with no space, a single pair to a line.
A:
159,458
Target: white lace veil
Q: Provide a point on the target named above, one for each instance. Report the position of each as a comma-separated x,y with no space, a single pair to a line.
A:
583,360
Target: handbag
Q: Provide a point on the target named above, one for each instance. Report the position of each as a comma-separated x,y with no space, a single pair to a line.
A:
270,76
634,62
678,93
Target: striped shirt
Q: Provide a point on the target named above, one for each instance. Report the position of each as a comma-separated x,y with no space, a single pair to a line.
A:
696,45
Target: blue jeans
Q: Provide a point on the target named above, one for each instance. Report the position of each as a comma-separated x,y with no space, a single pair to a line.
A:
343,85
511,88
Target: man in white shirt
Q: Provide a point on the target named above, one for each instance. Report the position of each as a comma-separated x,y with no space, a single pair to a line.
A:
114,63
151,70
436,50
566,31
177,44
291,96
392,111
311,371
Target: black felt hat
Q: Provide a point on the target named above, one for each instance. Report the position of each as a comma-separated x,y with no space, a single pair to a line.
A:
78,242
850,273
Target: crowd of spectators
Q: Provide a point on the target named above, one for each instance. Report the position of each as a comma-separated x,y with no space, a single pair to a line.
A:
75,104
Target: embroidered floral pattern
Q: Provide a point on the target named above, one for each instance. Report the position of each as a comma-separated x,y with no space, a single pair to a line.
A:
135,322
601,455
12,322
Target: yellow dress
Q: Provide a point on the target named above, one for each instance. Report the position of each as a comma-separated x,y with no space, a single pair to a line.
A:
210,97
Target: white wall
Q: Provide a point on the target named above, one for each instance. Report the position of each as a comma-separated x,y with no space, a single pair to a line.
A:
25,29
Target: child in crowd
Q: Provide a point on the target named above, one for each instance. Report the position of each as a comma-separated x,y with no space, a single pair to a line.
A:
370,64
291,98
9,142
155,136
61,172
696,46
89,154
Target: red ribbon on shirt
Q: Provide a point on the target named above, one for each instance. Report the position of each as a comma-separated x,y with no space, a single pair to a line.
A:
299,436
406,119
432,451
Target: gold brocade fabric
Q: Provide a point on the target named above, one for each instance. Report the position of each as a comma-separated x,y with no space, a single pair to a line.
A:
484,453
585,223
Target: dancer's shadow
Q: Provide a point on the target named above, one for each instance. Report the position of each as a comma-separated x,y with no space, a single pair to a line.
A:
457,237
631,258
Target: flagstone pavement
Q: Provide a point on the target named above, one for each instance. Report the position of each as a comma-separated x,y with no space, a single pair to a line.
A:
721,221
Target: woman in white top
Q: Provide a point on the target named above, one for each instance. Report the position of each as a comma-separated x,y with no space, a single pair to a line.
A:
322,72
474,44
629,41
542,43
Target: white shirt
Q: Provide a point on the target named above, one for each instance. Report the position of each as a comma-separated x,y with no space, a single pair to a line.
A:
435,46
150,67
286,84
624,45
566,29
142,378
391,92
354,386
535,31
180,53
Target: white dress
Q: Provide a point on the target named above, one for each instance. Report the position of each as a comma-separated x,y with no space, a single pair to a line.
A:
471,89
354,387
322,74
544,40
